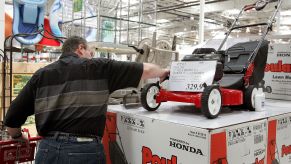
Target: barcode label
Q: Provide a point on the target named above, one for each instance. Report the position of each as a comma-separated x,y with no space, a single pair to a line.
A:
258,139
258,127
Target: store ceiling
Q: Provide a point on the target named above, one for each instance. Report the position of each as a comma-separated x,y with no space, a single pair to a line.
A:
218,14
181,17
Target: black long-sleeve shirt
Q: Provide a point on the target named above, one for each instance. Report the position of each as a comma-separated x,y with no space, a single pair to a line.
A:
71,94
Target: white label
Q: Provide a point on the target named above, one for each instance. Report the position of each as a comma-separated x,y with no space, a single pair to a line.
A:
246,143
190,76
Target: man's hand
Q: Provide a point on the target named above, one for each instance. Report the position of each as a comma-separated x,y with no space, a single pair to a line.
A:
165,75
17,135
154,71
23,140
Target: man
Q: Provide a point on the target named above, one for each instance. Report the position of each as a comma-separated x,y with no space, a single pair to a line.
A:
69,99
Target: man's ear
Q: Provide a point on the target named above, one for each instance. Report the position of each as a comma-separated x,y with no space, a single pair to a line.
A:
79,50
80,47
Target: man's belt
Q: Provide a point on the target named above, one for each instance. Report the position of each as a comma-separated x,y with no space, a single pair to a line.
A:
79,137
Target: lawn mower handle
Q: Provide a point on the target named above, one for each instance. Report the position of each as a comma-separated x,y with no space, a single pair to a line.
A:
257,5
246,8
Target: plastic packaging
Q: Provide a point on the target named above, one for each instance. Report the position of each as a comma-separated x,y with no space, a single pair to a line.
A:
260,99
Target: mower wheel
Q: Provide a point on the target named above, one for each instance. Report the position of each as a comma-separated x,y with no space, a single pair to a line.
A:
148,96
211,101
268,89
249,97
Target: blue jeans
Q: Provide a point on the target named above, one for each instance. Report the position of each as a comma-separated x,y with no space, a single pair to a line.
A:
69,151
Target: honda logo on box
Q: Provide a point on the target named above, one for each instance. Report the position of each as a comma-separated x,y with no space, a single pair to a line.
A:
185,148
149,158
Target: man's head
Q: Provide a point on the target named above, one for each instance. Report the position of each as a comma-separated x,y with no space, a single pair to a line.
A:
78,45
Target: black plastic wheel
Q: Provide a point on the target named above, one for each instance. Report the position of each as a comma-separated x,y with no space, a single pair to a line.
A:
148,96
268,89
211,101
249,97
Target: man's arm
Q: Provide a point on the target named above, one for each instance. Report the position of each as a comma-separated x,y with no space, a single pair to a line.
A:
14,132
128,74
21,107
153,71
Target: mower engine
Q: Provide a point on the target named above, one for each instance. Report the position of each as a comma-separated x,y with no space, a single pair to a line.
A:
208,54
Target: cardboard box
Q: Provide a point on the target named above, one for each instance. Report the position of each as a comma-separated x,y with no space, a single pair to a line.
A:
21,67
246,142
145,144
178,134
277,73
279,139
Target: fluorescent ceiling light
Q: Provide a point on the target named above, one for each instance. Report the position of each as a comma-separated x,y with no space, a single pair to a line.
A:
131,1
162,20
152,28
285,13
230,13
285,21
210,20
284,28
150,17
179,33
285,32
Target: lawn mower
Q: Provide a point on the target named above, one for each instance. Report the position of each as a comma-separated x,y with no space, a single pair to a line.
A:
238,76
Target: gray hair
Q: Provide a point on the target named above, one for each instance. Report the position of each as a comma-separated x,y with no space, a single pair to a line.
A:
72,44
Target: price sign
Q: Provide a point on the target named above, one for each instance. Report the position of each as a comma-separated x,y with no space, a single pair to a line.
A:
191,75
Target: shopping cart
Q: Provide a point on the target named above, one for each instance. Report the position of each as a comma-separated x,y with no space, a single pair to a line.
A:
12,151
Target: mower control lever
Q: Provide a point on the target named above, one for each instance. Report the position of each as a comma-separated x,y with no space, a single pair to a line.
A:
259,5
249,7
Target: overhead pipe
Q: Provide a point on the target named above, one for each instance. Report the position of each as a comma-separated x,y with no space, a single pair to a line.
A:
105,16
128,3
184,5
120,11
98,21
140,19
137,4
188,17
201,21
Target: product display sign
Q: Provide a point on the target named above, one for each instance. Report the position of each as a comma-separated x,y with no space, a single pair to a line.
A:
18,82
107,33
277,72
191,76
77,4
